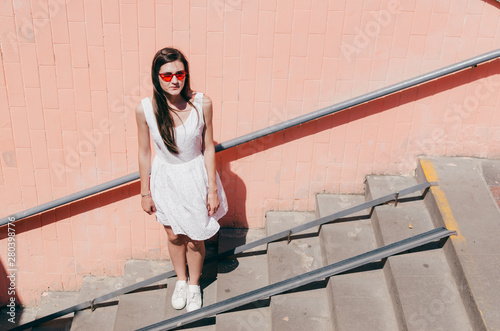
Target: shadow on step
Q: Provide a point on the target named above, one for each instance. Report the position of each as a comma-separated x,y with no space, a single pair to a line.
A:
203,322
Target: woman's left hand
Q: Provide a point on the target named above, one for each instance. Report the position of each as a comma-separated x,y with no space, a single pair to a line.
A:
212,202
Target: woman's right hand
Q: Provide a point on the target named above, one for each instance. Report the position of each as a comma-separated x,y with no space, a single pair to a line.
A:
148,205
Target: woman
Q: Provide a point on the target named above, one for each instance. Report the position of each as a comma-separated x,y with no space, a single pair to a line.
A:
186,193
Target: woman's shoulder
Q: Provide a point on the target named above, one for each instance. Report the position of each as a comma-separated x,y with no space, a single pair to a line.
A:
139,109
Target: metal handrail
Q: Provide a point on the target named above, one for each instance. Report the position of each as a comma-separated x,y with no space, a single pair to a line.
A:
396,196
303,279
474,61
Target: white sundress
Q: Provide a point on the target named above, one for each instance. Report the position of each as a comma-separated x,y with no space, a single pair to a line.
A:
179,183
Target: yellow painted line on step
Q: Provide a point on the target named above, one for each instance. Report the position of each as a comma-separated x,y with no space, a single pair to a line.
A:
442,203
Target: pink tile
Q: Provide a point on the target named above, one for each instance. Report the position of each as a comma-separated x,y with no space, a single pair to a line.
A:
232,33
76,11
311,95
93,14
112,46
180,19
484,45
231,73
248,57
11,181
43,185
8,33
319,15
281,58
53,130
215,16
265,34
25,166
82,89
111,11
333,34
199,3
97,68
300,32
119,164
48,84
284,16
57,168
59,22
329,79
6,9
181,41
63,65
263,83
29,65
19,118
129,31
67,105
352,19
78,44
288,169
315,48
455,24
15,91
402,31
296,78
198,37
146,13
421,21
246,102
215,54
250,17
475,7
303,179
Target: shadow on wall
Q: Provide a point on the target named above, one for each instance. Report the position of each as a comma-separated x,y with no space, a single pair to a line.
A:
493,3
76,207
236,189
234,186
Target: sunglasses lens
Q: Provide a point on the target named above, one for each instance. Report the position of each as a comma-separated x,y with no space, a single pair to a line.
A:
181,75
166,77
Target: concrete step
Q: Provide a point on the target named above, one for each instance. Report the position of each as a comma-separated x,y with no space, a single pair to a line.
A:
467,200
360,300
52,302
103,317
242,274
306,307
421,282
147,305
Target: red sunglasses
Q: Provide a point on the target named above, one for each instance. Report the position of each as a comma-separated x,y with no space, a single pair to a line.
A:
167,77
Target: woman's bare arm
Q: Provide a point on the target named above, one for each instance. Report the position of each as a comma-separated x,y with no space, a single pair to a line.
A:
144,156
209,155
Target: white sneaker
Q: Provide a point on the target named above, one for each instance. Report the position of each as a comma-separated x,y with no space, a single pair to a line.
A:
194,298
180,294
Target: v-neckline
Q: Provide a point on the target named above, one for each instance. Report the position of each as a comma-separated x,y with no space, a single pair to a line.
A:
187,119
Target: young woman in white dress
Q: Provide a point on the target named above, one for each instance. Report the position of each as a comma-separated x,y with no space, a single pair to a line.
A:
184,190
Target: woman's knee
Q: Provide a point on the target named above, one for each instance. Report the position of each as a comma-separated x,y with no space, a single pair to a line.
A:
195,245
175,238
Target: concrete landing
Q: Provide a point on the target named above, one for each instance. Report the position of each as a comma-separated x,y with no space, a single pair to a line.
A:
104,316
466,201
52,302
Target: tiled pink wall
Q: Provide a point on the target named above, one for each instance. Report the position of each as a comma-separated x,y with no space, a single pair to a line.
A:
71,73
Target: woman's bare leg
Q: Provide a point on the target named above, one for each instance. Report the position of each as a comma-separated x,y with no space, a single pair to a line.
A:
195,256
177,249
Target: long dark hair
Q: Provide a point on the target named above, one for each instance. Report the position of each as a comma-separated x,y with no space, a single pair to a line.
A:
162,110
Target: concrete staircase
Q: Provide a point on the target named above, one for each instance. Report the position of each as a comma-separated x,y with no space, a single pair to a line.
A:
448,285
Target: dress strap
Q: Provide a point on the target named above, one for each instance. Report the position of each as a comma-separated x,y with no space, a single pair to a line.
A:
198,102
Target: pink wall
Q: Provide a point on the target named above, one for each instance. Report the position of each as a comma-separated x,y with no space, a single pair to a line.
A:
72,72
